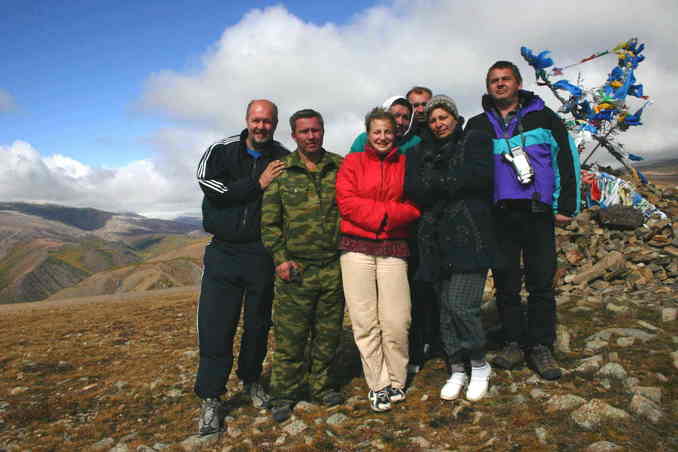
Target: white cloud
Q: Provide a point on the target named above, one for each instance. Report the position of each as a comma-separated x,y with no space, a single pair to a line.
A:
343,71
26,175
6,102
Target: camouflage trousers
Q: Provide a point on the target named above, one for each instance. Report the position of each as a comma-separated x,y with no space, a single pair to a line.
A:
307,321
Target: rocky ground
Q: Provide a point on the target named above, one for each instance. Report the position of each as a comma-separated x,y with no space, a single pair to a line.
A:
117,375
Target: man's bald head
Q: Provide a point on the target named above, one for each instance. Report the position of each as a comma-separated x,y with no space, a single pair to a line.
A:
262,120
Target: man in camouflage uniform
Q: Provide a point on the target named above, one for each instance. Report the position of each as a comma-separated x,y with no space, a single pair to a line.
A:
300,227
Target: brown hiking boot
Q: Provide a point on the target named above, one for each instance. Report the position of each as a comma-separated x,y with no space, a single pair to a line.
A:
543,362
510,357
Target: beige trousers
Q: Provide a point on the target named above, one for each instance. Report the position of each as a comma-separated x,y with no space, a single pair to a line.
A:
378,299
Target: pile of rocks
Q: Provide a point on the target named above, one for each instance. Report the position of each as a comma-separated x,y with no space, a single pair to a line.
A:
608,247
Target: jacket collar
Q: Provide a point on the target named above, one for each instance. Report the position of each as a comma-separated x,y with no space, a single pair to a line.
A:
266,150
372,153
527,99
325,162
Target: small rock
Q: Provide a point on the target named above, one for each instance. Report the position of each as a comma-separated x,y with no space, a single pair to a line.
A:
304,406
173,393
646,408
519,399
606,334
104,444
563,337
424,398
590,365
538,394
603,446
196,442
144,448
647,325
129,437
281,440
120,385
617,309
595,345
613,357
378,444
541,434
613,370
669,314
653,393
120,447
18,390
160,446
261,420
337,419
595,412
295,427
605,383
564,402
625,341
234,431
421,442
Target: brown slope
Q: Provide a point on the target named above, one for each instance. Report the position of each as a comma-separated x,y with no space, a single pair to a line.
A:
136,278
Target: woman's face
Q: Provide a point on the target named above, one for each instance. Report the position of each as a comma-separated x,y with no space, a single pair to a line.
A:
441,123
380,135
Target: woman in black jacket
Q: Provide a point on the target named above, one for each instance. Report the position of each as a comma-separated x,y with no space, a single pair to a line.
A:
450,176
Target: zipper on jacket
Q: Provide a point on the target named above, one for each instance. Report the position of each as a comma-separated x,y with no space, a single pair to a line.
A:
252,173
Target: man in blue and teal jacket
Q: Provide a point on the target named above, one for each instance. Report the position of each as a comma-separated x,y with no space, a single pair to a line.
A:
530,198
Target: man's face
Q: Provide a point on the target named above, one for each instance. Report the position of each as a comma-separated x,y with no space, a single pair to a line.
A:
503,86
308,134
261,124
402,116
418,102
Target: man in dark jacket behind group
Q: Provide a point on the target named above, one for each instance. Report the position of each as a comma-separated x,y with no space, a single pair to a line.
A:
536,167
233,174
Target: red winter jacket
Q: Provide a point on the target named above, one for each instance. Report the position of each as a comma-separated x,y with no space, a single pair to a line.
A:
370,196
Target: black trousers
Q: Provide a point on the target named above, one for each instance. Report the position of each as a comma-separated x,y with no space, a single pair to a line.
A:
230,279
425,326
530,235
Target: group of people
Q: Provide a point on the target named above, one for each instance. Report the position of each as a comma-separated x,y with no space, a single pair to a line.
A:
401,231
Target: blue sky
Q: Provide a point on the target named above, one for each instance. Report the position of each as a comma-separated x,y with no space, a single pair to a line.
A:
75,69
111,104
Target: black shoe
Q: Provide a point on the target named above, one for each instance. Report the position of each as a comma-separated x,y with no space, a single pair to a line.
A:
379,400
543,362
395,394
211,417
331,398
259,397
281,413
510,357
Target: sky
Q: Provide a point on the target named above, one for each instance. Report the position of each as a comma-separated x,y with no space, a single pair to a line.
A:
111,104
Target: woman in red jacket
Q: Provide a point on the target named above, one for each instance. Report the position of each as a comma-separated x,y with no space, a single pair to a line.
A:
375,225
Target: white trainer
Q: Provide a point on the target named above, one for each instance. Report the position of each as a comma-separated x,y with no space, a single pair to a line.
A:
480,379
453,386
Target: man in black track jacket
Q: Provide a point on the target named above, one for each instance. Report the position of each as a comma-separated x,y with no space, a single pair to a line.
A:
233,174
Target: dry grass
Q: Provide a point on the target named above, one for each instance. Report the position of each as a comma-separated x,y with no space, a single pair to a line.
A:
109,368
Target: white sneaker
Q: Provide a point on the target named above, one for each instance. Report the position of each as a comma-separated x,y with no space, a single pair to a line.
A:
480,379
453,386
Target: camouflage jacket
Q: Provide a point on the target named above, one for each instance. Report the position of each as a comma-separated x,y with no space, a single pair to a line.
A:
299,216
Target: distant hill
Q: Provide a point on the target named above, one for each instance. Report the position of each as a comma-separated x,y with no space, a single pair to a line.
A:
662,172
45,248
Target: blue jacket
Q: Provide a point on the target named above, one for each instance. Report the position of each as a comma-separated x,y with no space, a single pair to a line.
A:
551,152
